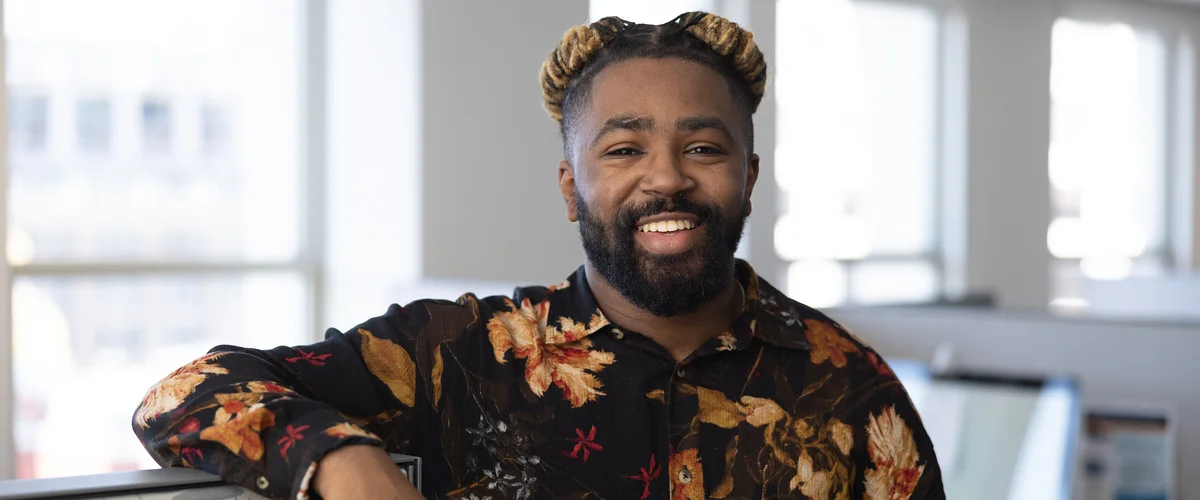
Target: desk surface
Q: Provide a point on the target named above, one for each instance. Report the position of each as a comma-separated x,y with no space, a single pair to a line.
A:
156,484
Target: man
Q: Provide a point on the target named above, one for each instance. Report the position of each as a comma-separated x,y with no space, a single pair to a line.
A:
662,368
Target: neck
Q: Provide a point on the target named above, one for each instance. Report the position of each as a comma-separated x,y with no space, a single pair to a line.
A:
679,335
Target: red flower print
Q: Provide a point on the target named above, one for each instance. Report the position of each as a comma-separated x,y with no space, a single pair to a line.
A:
880,365
191,454
293,435
192,424
647,475
312,357
584,444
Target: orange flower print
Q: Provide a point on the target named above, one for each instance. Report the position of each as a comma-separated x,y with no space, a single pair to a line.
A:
560,355
170,392
828,343
263,386
190,424
343,430
687,477
243,434
232,404
894,454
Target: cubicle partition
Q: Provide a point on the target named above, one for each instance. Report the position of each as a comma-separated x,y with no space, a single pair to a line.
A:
1133,368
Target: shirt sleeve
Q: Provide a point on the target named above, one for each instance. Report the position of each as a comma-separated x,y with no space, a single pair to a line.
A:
898,461
263,418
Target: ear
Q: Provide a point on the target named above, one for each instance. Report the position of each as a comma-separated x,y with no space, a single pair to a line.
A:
751,178
566,184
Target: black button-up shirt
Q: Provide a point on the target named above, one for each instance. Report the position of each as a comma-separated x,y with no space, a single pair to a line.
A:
540,396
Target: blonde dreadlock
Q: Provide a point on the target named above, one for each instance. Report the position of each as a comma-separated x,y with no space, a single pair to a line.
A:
583,44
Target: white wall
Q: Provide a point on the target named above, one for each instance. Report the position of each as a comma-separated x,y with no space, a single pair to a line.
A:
373,217
491,209
1008,128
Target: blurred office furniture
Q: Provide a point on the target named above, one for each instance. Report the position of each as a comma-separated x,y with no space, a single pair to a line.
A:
1172,298
1116,363
173,483
998,437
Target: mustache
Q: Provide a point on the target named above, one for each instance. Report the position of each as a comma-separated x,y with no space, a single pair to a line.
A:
629,215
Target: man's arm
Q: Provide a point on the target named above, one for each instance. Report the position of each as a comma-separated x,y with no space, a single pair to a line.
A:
898,461
265,419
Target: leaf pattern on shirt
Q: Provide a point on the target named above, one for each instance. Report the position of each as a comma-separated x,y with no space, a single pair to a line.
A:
391,364
563,356
784,404
241,435
171,391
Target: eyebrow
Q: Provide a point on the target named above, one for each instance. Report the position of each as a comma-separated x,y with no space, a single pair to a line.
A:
632,123
636,123
697,123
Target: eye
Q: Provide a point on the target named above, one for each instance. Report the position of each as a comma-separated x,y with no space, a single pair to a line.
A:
626,151
703,150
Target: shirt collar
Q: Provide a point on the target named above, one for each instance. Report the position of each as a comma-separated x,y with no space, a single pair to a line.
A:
768,314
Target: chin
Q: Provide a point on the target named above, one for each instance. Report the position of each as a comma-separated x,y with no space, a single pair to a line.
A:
672,268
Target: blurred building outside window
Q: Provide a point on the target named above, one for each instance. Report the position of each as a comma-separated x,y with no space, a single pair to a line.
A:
1109,163
856,154
93,126
155,194
28,115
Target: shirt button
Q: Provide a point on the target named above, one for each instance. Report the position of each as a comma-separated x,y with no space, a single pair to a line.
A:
682,372
618,334
262,483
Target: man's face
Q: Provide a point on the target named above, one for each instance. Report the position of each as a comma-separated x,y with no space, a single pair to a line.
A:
661,182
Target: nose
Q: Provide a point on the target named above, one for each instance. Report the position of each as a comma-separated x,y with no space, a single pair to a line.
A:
665,175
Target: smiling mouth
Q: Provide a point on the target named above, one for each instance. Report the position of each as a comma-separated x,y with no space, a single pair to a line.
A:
667,226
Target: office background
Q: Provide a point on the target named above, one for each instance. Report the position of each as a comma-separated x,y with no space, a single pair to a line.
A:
187,173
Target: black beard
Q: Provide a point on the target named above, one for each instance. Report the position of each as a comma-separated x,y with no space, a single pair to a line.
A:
664,285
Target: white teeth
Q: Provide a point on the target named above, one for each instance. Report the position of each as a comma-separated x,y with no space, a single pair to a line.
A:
666,226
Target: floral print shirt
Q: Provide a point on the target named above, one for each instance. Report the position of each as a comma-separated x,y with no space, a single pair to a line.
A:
540,396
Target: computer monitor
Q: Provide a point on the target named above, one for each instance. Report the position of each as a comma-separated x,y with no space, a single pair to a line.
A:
998,437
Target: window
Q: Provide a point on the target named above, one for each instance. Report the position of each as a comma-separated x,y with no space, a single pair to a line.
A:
156,126
122,274
1108,162
28,123
214,130
856,157
93,125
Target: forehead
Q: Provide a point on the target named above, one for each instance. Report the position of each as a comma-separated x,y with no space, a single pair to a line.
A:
662,89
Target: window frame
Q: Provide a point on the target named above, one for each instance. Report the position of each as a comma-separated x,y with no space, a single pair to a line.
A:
307,264
1178,28
949,116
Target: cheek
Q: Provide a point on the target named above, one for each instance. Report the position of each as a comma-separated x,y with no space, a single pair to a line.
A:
606,194
729,190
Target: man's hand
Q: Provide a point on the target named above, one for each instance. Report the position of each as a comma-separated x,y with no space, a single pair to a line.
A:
362,471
